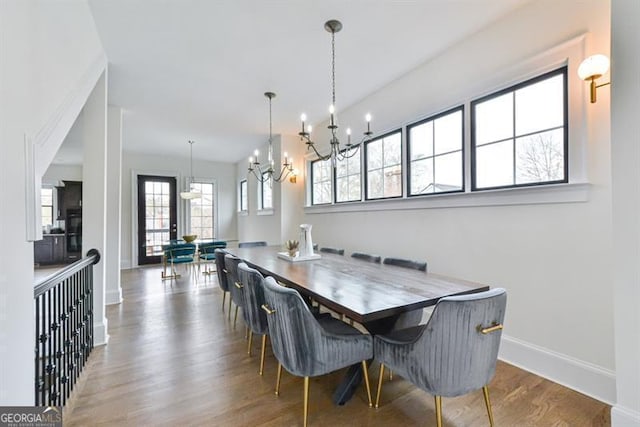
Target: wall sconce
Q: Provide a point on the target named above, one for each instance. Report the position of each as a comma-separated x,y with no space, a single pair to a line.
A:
294,175
591,69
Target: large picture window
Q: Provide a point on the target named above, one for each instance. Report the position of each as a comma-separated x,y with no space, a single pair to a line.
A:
436,154
383,157
266,192
201,211
320,182
243,196
348,179
519,135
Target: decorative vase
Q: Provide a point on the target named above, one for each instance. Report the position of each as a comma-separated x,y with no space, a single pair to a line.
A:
306,242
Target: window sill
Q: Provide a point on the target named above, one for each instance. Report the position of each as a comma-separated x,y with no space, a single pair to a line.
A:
243,213
265,212
557,193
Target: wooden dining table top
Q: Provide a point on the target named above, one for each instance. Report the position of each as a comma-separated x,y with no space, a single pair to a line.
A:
360,290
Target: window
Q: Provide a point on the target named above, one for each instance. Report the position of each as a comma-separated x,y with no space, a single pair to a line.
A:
243,196
46,197
348,178
384,166
519,135
266,192
320,182
201,211
436,154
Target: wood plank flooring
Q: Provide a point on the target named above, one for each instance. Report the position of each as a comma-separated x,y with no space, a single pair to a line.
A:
174,358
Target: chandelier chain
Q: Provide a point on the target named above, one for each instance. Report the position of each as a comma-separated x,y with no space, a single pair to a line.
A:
333,68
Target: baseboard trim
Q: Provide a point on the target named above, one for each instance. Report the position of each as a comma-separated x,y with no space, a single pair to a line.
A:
583,377
125,264
100,335
624,417
113,296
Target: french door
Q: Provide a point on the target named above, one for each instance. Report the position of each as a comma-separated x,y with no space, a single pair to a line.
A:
157,216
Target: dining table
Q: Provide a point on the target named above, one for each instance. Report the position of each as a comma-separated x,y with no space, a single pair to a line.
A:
372,294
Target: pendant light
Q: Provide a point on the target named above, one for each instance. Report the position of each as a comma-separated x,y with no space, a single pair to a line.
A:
189,192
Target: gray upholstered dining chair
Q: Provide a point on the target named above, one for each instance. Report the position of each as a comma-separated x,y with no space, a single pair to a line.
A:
454,353
335,251
251,280
251,244
306,346
406,263
367,257
222,275
235,287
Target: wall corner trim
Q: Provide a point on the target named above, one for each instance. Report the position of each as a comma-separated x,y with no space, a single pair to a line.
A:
621,416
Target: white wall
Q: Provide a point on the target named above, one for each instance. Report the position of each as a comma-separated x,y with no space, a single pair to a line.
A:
223,173
625,129
554,259
46,48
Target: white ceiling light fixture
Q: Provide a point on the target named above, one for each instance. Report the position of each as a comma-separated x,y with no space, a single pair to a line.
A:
337,152
189,192
269,173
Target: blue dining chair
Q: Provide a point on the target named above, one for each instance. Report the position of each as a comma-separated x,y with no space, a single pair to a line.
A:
454,353
307,346
179,253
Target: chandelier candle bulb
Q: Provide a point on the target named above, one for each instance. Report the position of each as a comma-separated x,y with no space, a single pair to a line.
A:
303,118
348,136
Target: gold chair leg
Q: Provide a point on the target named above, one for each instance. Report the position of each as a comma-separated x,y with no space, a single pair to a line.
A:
306,400
278,379
250,341
264,346
438,411
390,375
380,378
235,318
224,296
230,299
487,401
365,372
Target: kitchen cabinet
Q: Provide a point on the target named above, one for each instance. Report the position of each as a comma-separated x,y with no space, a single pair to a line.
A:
49,250
72,195
69,197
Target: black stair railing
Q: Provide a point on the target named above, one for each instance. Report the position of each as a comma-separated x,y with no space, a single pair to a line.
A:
64,329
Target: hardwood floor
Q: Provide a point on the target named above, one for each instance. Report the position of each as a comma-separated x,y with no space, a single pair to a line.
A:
174,359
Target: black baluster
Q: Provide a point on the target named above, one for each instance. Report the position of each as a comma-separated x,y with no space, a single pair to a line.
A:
37,353
43,343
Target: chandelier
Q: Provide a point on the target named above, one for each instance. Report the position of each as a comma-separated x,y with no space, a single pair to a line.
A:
189,192
269,173
338,152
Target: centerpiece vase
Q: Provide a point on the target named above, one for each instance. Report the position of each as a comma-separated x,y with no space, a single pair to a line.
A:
306,242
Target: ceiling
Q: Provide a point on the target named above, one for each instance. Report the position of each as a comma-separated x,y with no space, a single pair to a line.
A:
197,69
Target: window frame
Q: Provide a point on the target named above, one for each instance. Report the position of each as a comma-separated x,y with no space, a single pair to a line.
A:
360,155
51,206
214,208
243,196
433,118
265,183
365,171
331,181
563,71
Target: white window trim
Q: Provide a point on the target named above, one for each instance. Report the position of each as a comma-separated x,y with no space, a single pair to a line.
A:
187,210
242,212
